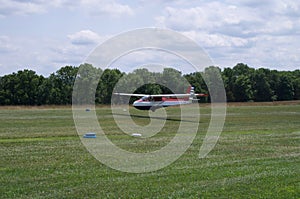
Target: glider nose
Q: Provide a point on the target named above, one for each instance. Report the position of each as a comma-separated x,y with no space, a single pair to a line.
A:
134,103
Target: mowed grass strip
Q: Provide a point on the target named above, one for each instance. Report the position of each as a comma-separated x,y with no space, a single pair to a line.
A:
22,123
257,156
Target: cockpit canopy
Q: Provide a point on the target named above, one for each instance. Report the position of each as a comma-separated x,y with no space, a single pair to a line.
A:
151,98
145,98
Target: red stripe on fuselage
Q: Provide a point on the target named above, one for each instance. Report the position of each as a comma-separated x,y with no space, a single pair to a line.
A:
173,99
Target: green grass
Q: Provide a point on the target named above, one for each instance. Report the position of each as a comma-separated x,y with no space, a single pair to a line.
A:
257,156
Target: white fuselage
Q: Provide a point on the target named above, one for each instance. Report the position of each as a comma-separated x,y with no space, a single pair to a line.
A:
153,105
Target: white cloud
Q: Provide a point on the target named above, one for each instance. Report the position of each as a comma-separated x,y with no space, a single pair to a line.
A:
221,28
6,45
43,55
153,59
262,33
56,54
29,7
259,33
85,37
94,7
244,19
271,7
9,7
215,40
106,7
279,51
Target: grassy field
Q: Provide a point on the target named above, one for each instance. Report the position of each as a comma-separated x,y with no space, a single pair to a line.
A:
257,156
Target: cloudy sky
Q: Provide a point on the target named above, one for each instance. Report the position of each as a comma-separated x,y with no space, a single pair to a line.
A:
45,35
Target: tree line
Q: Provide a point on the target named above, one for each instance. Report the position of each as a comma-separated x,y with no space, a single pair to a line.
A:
242,83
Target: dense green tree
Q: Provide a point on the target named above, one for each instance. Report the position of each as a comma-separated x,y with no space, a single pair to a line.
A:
285,89
213,78
243,90
196,80
173,81
57,88
108,80
261,86
86,83
242,69
20,88
296,84
51,92
150,81
65,78
241,83
229,79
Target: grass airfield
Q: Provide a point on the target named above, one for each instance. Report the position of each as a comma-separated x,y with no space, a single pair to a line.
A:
257,156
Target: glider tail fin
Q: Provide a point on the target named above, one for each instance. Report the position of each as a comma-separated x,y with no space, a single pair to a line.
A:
192,97
190,91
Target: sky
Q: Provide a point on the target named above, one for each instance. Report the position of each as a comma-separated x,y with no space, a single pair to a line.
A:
44,35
